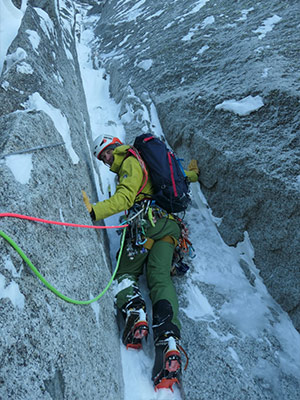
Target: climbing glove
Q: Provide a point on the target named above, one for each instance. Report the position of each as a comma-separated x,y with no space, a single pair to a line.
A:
86,201
193,166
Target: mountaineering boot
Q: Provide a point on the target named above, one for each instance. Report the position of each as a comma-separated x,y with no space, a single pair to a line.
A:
136,328
167,365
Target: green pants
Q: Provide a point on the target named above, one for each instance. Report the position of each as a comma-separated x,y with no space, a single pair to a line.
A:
158,265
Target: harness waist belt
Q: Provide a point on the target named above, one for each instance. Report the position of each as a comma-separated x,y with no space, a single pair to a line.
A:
169,239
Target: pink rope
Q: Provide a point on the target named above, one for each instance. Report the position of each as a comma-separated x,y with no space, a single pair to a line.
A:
46,221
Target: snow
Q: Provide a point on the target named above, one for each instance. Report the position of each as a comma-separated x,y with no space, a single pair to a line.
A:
203,49
21,167
14,58
145,64
36,102
12,292
198,306
10,21
267,26
34,39
190,34
45,22
198,5
9,266
24,68
95,307
242,107
132,13
157,14
208,21
245,13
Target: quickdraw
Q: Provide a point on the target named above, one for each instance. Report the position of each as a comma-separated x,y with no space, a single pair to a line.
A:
183,249
137,220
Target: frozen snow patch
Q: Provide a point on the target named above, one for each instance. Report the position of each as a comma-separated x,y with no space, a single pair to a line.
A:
45,22
36,102
198,5
132,13
9,266
12,292
34,39
203,49
24,68
145,64
242,107
248,313
21,167
96,308
208,21
267,26
157,14
13,58
198,307
10,21
245,14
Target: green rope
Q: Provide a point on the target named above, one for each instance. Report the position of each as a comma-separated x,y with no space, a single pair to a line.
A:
49,286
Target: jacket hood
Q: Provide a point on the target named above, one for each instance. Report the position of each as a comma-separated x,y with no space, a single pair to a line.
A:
119,154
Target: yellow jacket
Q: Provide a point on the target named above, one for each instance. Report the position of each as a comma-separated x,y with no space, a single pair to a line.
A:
131,178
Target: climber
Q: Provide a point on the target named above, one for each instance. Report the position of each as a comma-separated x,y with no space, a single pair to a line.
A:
162,231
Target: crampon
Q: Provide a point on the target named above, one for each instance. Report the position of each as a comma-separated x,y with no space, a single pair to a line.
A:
136,329
167,368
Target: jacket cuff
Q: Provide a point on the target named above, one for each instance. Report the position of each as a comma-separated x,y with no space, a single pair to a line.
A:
93,215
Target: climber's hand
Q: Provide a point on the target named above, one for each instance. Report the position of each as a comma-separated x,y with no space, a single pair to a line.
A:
87,201
193,166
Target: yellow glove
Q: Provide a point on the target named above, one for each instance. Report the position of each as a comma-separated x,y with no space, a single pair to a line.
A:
86,201
193,166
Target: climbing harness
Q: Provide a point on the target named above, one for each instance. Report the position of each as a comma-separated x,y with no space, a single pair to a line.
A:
136,218
146,212
40,276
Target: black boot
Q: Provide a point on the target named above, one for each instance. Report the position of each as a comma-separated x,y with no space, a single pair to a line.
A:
136,328
132,320
167,366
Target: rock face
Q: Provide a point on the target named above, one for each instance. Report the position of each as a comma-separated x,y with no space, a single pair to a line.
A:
181,58
189,58
51,349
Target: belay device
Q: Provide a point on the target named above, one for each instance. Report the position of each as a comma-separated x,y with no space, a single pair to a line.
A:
171,190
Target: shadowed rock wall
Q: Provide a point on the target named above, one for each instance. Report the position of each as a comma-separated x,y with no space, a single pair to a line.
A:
51,349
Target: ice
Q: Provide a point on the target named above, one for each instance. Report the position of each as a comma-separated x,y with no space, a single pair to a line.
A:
12,292
242,107
10,21
34,39
36,102
46,23
267,26
24,68
145,64
21,167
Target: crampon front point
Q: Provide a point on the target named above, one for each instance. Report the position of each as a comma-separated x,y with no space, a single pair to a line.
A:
139,332
170,372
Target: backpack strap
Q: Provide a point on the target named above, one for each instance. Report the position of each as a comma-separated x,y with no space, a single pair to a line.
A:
172,173
134,152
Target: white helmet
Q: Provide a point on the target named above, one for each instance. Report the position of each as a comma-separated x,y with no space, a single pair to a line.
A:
102,142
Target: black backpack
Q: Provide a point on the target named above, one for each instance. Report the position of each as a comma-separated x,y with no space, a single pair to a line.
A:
171,190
